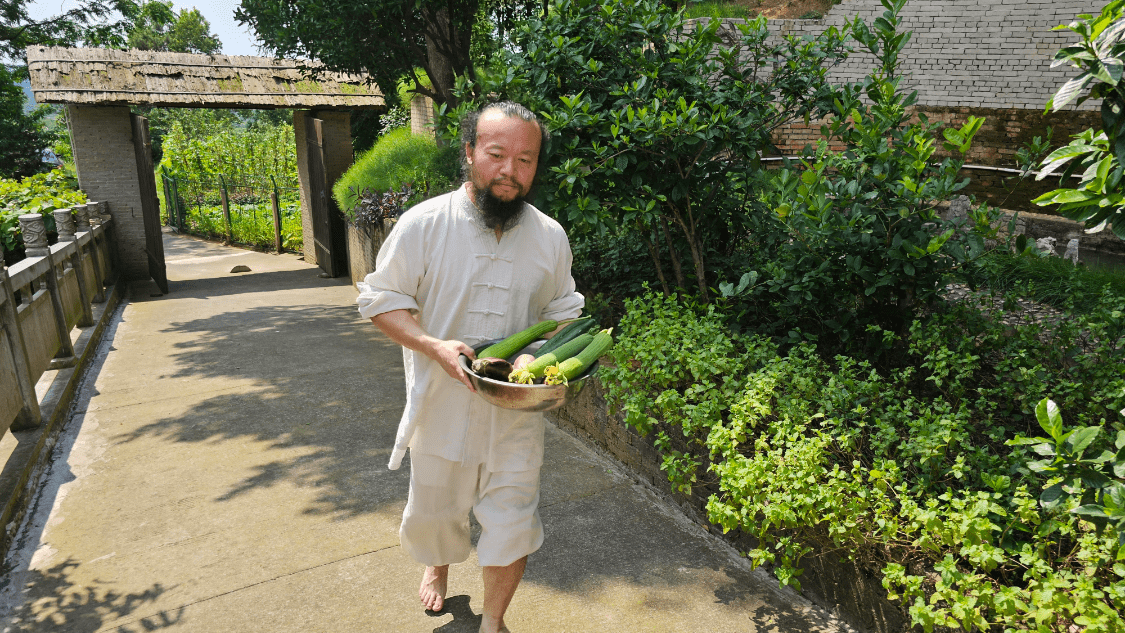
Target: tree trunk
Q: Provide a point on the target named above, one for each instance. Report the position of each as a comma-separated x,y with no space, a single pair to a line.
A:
677,271
440,53
652,250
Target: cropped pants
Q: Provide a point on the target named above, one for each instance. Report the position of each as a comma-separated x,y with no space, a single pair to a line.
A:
435,524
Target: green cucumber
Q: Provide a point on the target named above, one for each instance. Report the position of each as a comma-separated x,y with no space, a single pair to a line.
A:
536,367
517,341
567,334
573,367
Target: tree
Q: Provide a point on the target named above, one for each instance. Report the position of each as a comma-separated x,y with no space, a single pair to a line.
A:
88,22
157,27
660,124
384,39
22,134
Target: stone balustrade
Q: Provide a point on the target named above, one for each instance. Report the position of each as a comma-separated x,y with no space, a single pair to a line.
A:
44,297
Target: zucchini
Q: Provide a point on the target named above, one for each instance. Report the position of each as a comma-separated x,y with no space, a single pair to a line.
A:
535,369
567,334
514,343
573,367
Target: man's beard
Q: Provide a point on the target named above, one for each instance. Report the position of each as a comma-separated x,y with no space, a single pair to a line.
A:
496,213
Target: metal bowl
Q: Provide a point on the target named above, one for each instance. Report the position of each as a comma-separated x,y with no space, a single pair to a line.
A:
510,395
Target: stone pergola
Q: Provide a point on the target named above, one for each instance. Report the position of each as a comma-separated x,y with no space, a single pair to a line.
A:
99,85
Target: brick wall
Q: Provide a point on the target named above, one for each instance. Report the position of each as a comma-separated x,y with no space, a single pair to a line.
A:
102,137
984,58
972,53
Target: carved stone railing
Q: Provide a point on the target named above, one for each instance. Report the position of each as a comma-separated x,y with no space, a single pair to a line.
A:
44,297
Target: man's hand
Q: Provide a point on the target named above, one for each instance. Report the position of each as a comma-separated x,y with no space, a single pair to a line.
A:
404,329
446,354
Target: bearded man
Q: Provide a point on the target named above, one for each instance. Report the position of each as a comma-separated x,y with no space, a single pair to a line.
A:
476,264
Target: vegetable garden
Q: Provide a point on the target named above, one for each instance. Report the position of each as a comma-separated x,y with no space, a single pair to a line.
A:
223,181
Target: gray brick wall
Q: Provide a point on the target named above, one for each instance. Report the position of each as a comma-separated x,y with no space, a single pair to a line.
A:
102,137
971,53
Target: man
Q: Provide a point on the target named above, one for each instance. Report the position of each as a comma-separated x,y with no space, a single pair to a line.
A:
473,265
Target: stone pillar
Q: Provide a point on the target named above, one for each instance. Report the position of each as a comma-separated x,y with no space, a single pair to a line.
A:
34,235
64,224
81,218
422,115
102,138
337,129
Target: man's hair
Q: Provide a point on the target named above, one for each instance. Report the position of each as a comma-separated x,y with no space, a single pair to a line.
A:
509,109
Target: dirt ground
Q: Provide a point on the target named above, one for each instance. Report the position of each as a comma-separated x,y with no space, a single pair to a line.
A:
786,8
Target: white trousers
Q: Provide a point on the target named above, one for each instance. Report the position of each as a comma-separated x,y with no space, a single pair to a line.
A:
435,524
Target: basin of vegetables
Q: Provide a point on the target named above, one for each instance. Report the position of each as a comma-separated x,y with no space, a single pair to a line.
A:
544,380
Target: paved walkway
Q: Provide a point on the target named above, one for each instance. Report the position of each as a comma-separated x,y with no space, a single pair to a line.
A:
224,470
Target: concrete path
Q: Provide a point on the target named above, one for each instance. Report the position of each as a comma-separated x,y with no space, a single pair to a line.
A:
224,470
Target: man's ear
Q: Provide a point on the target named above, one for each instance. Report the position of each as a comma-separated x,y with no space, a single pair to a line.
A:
469,153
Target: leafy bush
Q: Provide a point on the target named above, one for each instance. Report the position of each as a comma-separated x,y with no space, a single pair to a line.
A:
916,473
399,158
861,241
659,124
41,193
1099,199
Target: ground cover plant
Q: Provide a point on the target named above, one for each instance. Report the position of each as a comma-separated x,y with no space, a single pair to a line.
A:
919,473
1050,280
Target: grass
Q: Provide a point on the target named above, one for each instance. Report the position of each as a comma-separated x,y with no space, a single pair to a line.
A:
711,9
1050,280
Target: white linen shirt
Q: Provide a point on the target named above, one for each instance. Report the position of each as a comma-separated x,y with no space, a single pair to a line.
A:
441,263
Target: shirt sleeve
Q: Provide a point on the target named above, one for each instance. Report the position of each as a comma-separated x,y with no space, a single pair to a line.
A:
399,268
567,302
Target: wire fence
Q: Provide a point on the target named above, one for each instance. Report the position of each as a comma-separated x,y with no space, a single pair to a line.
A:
262,213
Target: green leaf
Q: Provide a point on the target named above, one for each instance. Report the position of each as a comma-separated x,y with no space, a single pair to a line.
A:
1078,440
1068,92
1049,417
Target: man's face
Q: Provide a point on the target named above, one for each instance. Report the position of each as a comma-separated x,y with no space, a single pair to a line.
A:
504,160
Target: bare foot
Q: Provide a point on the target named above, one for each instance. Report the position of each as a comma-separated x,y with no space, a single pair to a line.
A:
502,629
432,591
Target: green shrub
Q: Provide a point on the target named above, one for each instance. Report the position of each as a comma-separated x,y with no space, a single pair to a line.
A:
41,193
642,142
864,244
916,472
399,158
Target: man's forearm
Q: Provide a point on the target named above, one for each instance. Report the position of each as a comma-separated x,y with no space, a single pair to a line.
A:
402,328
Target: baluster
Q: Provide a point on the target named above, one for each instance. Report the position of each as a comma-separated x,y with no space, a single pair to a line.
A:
29,415
83,213
34,235
64,224
35,242
82,218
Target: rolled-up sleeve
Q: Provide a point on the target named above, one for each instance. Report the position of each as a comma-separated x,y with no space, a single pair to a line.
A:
398,274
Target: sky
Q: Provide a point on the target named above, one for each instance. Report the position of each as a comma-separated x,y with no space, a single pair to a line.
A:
236,39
